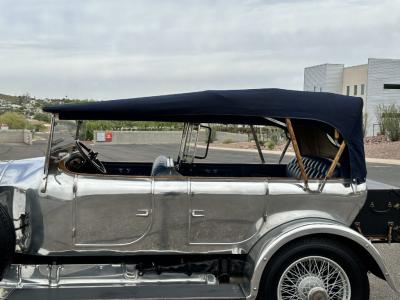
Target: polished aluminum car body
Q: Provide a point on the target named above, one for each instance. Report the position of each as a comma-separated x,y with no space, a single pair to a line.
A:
60,211
78,213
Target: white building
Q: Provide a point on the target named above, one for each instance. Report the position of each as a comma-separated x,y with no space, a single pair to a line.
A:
377,82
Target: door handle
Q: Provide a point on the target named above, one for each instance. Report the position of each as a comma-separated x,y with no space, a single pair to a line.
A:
142,213
197,213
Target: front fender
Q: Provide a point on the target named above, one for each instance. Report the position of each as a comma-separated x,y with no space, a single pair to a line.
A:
6,198
269,244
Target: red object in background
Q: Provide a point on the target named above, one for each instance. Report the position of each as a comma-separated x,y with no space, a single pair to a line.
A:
108,136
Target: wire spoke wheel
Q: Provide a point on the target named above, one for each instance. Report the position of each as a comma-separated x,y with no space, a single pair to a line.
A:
314,278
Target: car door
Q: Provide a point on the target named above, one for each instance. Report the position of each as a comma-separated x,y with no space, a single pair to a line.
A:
226,210
111,210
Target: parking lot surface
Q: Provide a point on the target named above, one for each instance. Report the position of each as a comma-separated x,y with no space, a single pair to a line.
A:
389,174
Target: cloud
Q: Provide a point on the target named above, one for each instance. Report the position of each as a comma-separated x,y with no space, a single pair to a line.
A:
114,49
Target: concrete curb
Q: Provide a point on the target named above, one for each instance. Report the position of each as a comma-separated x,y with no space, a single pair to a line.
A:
383,161
368,159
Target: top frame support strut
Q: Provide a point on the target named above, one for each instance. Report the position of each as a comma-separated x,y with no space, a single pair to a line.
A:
297,151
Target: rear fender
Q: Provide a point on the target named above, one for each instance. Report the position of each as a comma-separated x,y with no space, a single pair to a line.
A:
260,255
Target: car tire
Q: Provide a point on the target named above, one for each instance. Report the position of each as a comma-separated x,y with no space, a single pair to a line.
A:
7,240
282,277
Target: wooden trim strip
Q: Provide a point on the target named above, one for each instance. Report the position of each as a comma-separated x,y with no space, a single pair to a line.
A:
336,160
297,151
337,135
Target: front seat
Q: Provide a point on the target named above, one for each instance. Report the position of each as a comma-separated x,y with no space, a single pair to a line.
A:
164,166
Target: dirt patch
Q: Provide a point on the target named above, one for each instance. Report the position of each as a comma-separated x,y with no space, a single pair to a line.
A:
379,147
236,145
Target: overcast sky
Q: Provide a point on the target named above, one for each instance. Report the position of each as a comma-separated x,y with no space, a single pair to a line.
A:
117,49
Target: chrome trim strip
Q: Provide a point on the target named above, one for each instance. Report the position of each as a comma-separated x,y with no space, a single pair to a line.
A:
142,213
48,153
197,213
75,207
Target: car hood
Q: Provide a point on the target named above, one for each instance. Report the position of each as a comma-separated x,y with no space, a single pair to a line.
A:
24,173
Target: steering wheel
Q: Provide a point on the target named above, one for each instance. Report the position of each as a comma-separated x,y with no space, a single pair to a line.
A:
90,156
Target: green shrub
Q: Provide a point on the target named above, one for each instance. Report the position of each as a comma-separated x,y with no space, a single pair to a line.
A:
228,141
271,145
42,117
389,119
13,120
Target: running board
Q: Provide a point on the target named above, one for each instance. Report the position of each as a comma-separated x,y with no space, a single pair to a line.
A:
149,292
117,281
39,276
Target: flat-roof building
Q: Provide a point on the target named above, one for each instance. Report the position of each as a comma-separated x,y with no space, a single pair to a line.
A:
377,82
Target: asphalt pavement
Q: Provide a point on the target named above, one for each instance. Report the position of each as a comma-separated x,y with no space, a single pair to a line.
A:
389,174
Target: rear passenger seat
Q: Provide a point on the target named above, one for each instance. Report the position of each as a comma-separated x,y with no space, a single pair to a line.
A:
316,168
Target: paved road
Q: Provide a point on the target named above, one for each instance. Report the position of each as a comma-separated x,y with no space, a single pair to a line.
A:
389,174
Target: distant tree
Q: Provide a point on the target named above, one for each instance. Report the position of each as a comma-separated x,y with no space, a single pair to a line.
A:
42,117
13,120
21,100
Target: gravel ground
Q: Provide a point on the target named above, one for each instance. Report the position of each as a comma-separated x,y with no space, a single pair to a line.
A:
383,150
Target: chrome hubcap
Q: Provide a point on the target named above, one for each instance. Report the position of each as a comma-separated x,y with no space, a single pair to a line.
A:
308,284
317,293
314,278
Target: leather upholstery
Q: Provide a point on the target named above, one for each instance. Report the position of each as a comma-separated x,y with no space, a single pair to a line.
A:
316,168
164,166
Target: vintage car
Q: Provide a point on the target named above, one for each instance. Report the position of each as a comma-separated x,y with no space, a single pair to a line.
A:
73,226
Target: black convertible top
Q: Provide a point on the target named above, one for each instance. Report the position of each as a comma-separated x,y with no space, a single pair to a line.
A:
236,106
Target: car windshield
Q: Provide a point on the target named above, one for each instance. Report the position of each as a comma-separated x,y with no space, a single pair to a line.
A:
64,134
